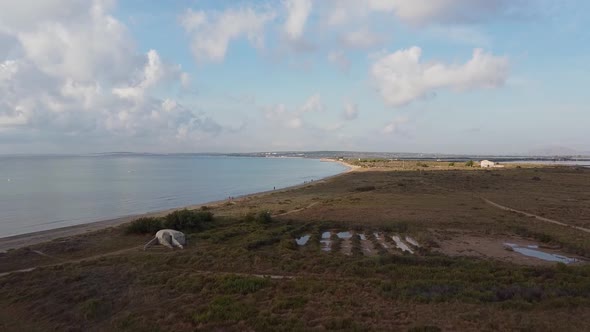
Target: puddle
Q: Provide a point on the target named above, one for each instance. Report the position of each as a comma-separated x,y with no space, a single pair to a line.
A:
413,242
346,245
326,242
381,240
344,235
400,244
531,252
302,240
366,246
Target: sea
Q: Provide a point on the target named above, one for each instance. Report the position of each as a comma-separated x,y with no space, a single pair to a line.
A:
45,192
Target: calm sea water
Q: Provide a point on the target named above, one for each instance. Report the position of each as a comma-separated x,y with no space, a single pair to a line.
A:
581,163
40,193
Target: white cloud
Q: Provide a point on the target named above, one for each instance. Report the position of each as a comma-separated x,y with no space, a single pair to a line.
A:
295,123
360,39
339,59
351,111
152,74
280,115
212,32
444,11
312,104
460,34
401,78
297,13
423,12
79,47
394,125
24,14
333,127
76,73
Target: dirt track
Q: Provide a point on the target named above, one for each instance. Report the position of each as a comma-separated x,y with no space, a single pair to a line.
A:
505,208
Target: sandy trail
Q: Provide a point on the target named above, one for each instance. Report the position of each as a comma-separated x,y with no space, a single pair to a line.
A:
122,251
63,262
297,210
505,208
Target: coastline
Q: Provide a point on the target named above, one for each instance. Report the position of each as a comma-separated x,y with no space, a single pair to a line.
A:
27,239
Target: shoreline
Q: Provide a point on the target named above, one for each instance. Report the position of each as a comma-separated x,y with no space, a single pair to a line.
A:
27,239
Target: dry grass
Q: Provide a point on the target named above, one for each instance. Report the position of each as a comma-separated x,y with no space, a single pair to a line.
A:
213,284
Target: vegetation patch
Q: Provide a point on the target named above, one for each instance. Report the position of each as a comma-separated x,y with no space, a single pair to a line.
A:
365,188
188,220
243,285
144,226
225,309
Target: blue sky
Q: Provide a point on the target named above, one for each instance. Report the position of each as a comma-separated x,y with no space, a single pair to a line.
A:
440,76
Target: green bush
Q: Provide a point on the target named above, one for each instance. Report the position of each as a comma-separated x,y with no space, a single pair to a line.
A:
470,163
451,164
187,220
264,217
144,226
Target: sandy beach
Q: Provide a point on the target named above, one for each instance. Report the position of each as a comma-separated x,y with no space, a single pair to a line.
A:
23,240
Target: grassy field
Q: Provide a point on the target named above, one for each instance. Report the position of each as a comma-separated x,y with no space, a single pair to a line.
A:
244,271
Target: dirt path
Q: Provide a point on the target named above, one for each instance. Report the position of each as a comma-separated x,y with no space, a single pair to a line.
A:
297,210
62,261
505,208
78,260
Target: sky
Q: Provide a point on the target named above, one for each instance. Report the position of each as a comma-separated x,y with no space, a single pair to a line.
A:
428,76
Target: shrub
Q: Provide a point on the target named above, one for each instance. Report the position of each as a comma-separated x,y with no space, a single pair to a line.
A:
451,164
242,285
225,309
470,163
365,188
144,226
186,220
266,241
262,217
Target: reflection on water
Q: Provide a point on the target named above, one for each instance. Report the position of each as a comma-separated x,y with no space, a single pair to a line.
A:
344,235
381,240
400,244
302,240
529,251
44,192
412,241
326,242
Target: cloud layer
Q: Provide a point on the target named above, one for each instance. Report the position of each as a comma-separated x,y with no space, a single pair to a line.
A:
73,71
401,77
211,32
90,71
